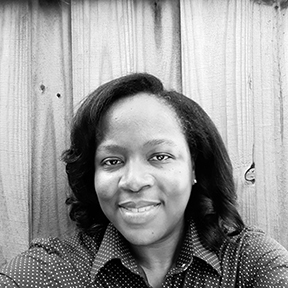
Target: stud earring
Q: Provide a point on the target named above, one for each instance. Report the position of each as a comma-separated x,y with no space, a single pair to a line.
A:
195,181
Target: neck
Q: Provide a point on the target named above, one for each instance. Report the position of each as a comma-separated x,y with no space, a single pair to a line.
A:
158,258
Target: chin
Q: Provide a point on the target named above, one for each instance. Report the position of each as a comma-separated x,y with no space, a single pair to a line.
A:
138,238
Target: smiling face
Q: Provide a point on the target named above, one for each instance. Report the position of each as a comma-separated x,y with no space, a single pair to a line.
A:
143,170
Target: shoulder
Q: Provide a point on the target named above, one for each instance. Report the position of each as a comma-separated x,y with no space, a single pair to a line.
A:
261,259
79,244
53,261
254,244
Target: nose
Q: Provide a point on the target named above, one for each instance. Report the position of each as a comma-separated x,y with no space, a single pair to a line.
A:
135,176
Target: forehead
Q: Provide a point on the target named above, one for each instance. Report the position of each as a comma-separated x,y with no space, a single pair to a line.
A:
141,107
140,115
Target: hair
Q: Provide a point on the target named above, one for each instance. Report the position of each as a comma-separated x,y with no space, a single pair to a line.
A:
212,203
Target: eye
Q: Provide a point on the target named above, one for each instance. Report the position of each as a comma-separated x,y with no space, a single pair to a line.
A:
160,157
111,162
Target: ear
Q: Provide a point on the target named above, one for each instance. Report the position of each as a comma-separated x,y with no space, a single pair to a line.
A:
193,173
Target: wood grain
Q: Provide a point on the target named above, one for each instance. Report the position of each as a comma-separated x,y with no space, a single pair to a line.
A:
15,151
113,38
281,115
233,66
50,116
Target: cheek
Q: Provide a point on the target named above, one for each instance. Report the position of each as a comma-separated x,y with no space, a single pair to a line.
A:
183,176
105,195
182,187
103,187
177,185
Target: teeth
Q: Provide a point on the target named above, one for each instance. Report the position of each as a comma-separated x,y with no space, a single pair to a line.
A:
141,209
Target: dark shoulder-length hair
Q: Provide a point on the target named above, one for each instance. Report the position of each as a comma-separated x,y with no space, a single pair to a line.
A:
212,204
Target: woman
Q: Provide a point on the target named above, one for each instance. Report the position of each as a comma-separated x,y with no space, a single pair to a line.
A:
154,200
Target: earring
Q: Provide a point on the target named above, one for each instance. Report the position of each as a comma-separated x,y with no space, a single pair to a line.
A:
195,181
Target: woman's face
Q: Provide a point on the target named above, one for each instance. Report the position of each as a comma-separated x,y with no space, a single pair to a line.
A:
143,170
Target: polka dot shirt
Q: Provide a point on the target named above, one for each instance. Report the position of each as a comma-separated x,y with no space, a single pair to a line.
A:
249,259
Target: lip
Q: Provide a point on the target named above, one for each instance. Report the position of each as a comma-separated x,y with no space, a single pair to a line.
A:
140,212
138,204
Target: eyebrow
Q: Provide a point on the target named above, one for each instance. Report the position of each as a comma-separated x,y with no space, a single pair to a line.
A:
110,147
157,142
153,142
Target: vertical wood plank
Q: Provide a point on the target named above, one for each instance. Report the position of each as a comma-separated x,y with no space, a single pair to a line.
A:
51,114
113,38
230,65
15,157
216,71
263,76
281,112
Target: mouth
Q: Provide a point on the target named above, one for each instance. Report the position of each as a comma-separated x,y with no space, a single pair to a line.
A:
139,213
140,209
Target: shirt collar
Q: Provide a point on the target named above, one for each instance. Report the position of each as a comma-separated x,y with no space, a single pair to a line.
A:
113,246
200,251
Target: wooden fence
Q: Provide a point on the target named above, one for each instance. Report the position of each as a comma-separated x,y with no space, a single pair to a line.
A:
228,55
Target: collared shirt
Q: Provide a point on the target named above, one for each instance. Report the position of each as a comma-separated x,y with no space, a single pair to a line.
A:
250,259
